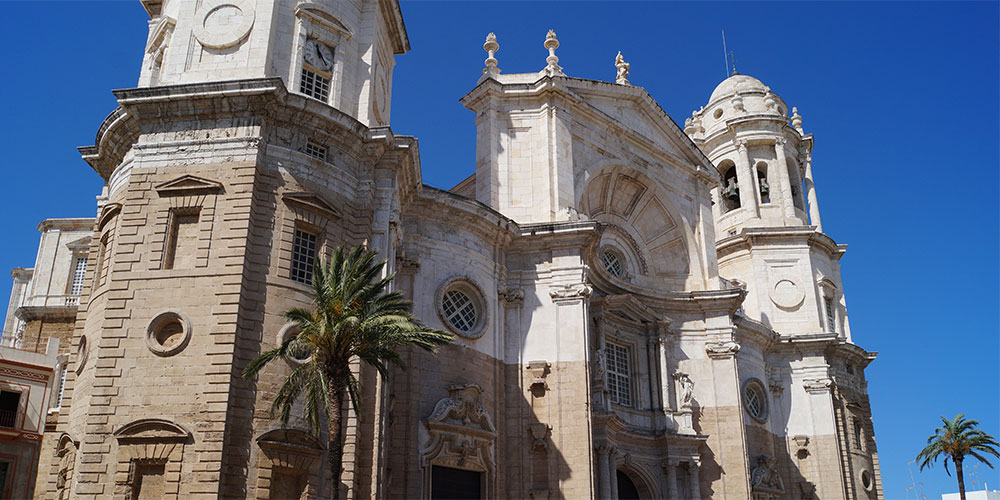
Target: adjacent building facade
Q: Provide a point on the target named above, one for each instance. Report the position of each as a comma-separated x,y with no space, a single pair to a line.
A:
642,311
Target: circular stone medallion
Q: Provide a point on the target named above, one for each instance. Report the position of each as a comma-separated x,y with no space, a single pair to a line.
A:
786,294
223,23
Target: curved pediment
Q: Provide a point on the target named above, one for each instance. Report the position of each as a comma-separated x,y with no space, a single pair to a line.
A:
152,429
280,438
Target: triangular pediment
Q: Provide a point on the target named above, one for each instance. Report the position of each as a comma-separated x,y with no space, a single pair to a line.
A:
80,244
636,111
187,184
311,202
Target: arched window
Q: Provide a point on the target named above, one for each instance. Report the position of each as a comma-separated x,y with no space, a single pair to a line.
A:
796,181
762,185
613,262
729,192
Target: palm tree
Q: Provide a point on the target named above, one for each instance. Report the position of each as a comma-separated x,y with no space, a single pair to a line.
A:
353,316
956,440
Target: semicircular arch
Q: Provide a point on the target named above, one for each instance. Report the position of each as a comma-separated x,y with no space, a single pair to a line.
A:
642,207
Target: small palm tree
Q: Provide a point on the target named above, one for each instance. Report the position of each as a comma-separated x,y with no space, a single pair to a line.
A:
956,440
353,316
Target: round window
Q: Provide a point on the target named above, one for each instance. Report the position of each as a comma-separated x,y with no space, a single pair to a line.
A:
613,263
755,400
168,333
718,113
866,480
297,353
461,308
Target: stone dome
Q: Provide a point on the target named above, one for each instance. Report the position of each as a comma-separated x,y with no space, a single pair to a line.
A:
736,82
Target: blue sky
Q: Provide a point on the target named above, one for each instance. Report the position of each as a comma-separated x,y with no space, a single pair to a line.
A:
902,99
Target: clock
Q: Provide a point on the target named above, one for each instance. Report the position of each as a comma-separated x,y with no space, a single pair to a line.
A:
318,55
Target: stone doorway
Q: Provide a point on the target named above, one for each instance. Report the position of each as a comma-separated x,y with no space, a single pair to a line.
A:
455,484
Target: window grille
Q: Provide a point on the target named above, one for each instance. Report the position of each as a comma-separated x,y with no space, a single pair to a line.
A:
619,374
316,151
314,85
61,387
613,263
831,314
754,401
303,256
79,270
460,310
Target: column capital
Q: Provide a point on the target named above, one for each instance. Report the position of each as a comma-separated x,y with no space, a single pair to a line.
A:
741,145
780,141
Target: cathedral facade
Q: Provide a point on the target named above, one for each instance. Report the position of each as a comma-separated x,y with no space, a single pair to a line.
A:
640,310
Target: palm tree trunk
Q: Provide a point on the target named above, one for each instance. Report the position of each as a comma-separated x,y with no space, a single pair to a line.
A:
336,444
961,479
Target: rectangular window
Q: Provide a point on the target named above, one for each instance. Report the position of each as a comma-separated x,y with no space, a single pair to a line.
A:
831,314
314,85
858,433
10,401
102,260
316,151
619,374
79,270
60,388
183,244
149,480
303,256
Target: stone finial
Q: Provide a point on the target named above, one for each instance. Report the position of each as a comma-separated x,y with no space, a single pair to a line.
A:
738,102
769,101
796,119
552,43
622,66
491,47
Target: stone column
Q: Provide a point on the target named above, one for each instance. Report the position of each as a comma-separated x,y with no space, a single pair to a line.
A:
670,489
744,174
613,472
811,196
695,487
603,486
787,203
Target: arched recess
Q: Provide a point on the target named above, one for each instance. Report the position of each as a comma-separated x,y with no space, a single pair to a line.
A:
729,190
150,454
644,225
795,179
64,465
289,465
640,479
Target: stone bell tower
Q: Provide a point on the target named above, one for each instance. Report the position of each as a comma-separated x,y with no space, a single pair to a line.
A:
341,53
255,143
771,242
766,211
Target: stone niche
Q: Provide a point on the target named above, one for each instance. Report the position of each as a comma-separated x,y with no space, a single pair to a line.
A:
150,453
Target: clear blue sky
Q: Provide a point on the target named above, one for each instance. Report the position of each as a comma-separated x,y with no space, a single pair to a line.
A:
902,99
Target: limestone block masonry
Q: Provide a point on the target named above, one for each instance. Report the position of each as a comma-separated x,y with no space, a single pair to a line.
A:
641,311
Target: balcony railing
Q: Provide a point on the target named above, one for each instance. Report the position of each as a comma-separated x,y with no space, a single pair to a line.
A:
8,418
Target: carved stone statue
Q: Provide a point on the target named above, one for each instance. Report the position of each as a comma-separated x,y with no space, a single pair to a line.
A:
599,364
622,78
687,390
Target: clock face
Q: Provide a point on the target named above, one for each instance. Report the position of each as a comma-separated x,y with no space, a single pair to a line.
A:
319,55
